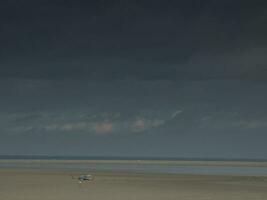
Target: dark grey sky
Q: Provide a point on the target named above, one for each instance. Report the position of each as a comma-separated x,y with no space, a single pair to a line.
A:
134,78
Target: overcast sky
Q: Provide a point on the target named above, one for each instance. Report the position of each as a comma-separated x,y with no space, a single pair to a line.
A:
162,78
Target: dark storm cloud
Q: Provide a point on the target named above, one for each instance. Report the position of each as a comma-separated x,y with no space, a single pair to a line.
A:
140,40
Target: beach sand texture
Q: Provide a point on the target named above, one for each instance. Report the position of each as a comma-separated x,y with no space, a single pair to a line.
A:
34,185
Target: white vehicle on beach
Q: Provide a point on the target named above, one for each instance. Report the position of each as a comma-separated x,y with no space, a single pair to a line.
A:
86,177
83,177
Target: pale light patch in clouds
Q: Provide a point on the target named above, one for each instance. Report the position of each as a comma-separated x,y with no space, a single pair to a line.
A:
70,126
93,127
143,124
139,125
20,129
176,113
251,124
103,127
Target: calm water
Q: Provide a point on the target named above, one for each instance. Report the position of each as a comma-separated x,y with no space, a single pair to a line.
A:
135,167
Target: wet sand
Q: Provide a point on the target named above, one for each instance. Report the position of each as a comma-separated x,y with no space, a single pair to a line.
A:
40,185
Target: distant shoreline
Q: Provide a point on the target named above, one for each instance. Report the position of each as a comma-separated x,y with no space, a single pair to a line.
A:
141,162
130,158
143,166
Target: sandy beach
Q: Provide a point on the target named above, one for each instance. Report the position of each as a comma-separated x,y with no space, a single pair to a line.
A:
40,185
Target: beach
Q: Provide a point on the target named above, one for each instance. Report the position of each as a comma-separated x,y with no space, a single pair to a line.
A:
18,184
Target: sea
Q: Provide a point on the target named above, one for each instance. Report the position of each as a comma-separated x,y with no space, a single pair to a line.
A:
135,167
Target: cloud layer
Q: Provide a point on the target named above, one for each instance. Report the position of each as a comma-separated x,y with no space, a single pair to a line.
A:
138,40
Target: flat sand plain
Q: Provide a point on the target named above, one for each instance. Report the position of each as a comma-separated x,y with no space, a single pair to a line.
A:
41,185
